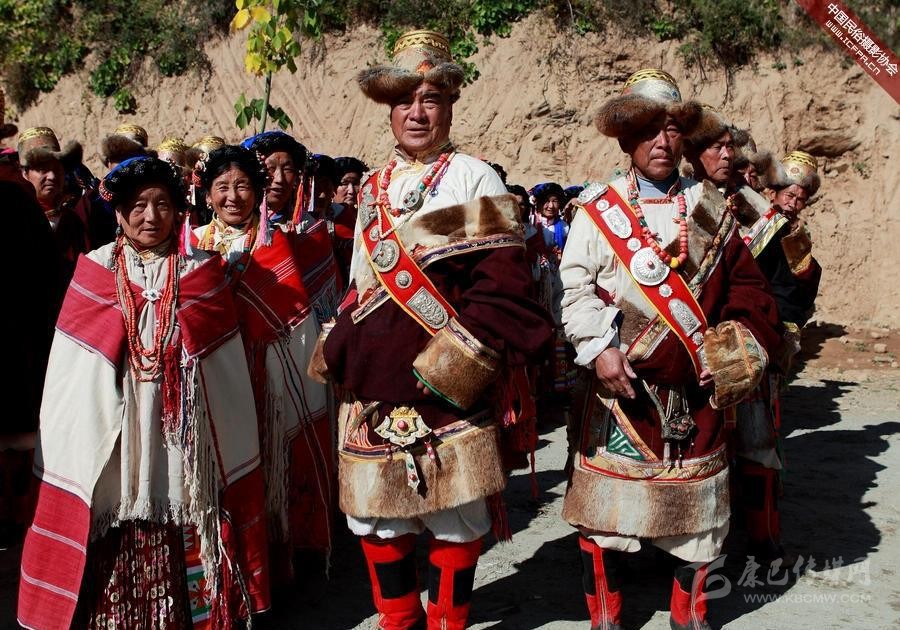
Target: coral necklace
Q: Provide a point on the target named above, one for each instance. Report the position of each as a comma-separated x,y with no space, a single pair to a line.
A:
414,199
147,363
647,233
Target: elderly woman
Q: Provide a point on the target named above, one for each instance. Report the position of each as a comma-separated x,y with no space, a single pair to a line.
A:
149,511
284,286
285,159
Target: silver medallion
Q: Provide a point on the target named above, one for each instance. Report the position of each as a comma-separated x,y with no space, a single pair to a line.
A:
404,279
602,205
617,221
368,209
412,200
697,338
385,256
428,308
634,244
591,192
684,316
647,268
665,290
374,233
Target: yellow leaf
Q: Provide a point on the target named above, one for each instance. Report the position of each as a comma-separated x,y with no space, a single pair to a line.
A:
240,4
240,20
260,14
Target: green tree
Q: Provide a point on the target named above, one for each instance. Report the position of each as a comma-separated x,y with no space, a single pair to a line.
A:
273,42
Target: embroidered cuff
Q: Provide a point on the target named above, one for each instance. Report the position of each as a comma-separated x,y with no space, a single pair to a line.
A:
456,366
797,248
317,369
736,362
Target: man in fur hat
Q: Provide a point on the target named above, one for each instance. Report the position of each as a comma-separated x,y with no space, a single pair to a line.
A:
710,150
44,165
751,163
436,316
672,318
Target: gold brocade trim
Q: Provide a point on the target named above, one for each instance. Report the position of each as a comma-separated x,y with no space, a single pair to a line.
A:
650,73
423,39
762,238
36,132
801,157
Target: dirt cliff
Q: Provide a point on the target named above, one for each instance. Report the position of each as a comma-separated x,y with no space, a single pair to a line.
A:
532,111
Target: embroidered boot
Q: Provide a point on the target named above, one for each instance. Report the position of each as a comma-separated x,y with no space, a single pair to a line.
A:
688,603
451,573
601,580
395,588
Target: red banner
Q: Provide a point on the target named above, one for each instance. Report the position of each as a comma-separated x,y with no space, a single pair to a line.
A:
845,27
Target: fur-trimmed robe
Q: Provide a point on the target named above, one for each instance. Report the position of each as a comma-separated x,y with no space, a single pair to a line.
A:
619,482
468,240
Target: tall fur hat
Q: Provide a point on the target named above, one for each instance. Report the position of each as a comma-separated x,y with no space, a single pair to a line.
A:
648,94
711,126
797,167
418,57
39,145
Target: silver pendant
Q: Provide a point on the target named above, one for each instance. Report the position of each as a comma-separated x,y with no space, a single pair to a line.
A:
428,308
617,221
385,256
647,268
412,200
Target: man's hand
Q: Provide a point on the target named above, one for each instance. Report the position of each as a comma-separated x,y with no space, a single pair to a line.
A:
706,378
615,372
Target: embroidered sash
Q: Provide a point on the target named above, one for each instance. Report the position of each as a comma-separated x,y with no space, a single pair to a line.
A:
395,268
665,289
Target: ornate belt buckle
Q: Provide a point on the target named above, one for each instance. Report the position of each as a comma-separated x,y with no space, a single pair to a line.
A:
402,428
678,427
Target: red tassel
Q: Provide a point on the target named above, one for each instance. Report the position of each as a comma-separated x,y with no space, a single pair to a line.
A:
171,386
499,517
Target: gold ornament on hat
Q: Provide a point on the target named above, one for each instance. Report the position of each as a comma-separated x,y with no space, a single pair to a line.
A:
654,84
432,41
209,143
799,164
135,132
172,144
37,138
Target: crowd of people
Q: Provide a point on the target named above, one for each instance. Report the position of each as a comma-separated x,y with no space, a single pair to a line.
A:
227,344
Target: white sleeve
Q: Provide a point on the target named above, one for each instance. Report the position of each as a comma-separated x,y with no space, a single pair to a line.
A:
590,323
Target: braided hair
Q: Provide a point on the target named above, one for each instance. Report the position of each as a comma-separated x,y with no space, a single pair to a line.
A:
123,182
222,160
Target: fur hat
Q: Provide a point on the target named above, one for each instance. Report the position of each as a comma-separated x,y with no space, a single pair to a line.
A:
747,153
710,128
7,130
117,148
39,145
647,95
418,57
797,167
